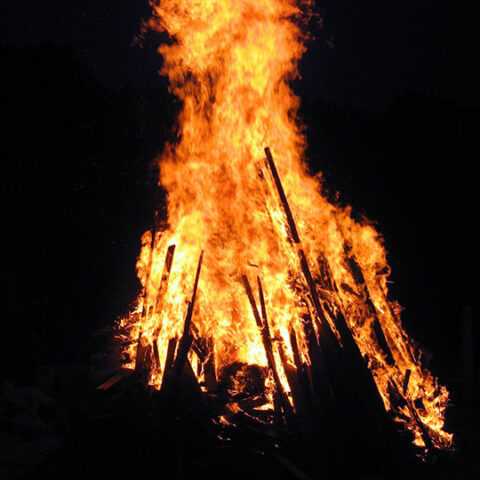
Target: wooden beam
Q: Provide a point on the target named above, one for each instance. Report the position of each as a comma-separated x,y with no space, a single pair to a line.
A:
267,340
168,365
169,359
167,268
253,305
267,343
382,337
325,335
187,338
209,367
406,381
119,376
140,354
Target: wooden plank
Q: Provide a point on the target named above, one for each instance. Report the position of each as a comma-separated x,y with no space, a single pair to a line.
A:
325,335
168,365
267,340
413,411
355,366
209,367
169,359
382,337
140,354
119,376
253,304
301,369
296,352
199,344
322,391
294,384
167,268
187,338
267,343
331,363
156,353
283,198
355,375
188,321
406,381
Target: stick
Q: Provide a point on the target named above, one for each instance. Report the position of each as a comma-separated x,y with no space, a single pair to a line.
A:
169,362
187,338
123,373
296,352
249,292
326,334
383,339
167,268
267,344
423,429
287,408
172,345
209,367
406,380
140,357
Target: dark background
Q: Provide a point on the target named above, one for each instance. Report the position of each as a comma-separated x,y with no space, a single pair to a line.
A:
391,102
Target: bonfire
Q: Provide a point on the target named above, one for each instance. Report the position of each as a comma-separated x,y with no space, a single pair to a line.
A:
256,285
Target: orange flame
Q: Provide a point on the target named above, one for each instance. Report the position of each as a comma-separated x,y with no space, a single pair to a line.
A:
230,63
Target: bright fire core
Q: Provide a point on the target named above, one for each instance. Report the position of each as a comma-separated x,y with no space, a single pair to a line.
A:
230,63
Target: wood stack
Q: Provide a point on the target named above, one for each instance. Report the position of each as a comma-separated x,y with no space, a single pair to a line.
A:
332,420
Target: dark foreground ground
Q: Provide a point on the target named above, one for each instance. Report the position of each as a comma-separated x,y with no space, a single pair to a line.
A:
63,428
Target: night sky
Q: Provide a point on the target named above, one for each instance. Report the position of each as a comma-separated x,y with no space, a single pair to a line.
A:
375,49
391,101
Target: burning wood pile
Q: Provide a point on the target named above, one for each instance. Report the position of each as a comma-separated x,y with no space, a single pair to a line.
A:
269,299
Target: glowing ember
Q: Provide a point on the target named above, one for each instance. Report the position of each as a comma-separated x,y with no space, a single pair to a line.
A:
230,62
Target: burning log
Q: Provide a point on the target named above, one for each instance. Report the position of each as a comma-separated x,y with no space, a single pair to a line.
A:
333,368
199,344
296,352
283,398
388,346
326,338
301,370
413,412
187,338
384,342
323,348
169,359
267,343
302,423
167,267
305,394
118,377
209,367
406,380
140,358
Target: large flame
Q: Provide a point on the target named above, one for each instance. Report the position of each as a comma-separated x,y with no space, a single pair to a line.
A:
230,63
